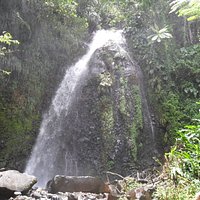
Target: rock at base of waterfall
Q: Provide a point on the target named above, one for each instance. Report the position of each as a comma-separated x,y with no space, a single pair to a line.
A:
76,184
41,194
12,181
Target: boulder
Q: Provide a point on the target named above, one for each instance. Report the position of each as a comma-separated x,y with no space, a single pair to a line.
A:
13,181
77,184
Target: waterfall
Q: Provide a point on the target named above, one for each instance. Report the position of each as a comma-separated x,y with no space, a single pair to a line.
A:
50,157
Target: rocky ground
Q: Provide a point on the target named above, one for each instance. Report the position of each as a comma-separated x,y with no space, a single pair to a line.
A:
44,195
19,186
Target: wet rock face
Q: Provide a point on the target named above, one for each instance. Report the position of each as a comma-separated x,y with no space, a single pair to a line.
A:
106,120
12,181
99,120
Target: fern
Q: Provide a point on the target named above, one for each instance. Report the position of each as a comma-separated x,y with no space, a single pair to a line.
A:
188,8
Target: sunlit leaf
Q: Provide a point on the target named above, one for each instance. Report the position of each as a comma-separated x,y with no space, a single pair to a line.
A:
154,38
6,72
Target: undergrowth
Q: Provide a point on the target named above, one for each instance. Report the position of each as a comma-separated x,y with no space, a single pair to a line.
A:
182,167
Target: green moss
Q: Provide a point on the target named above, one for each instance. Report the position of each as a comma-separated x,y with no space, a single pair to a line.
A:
107,119
133,137
15,134
138,107
122,101
137,122
107,128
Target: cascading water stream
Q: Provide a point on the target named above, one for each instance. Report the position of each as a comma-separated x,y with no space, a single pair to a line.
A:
143,93
50,157
148,123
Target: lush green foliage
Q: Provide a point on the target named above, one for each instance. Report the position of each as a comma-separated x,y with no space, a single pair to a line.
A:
186,152
66,7
173,79
172,71
183,165
184,190
190,9
6,39
186,71
177,88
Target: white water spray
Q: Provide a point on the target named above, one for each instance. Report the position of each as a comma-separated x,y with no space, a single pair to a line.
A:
49,157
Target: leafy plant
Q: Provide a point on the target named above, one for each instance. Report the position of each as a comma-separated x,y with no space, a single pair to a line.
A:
189,89
185,154
182,167
66,7
187,151
190,9
6,39
159,34
5,72
184,191
185,71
